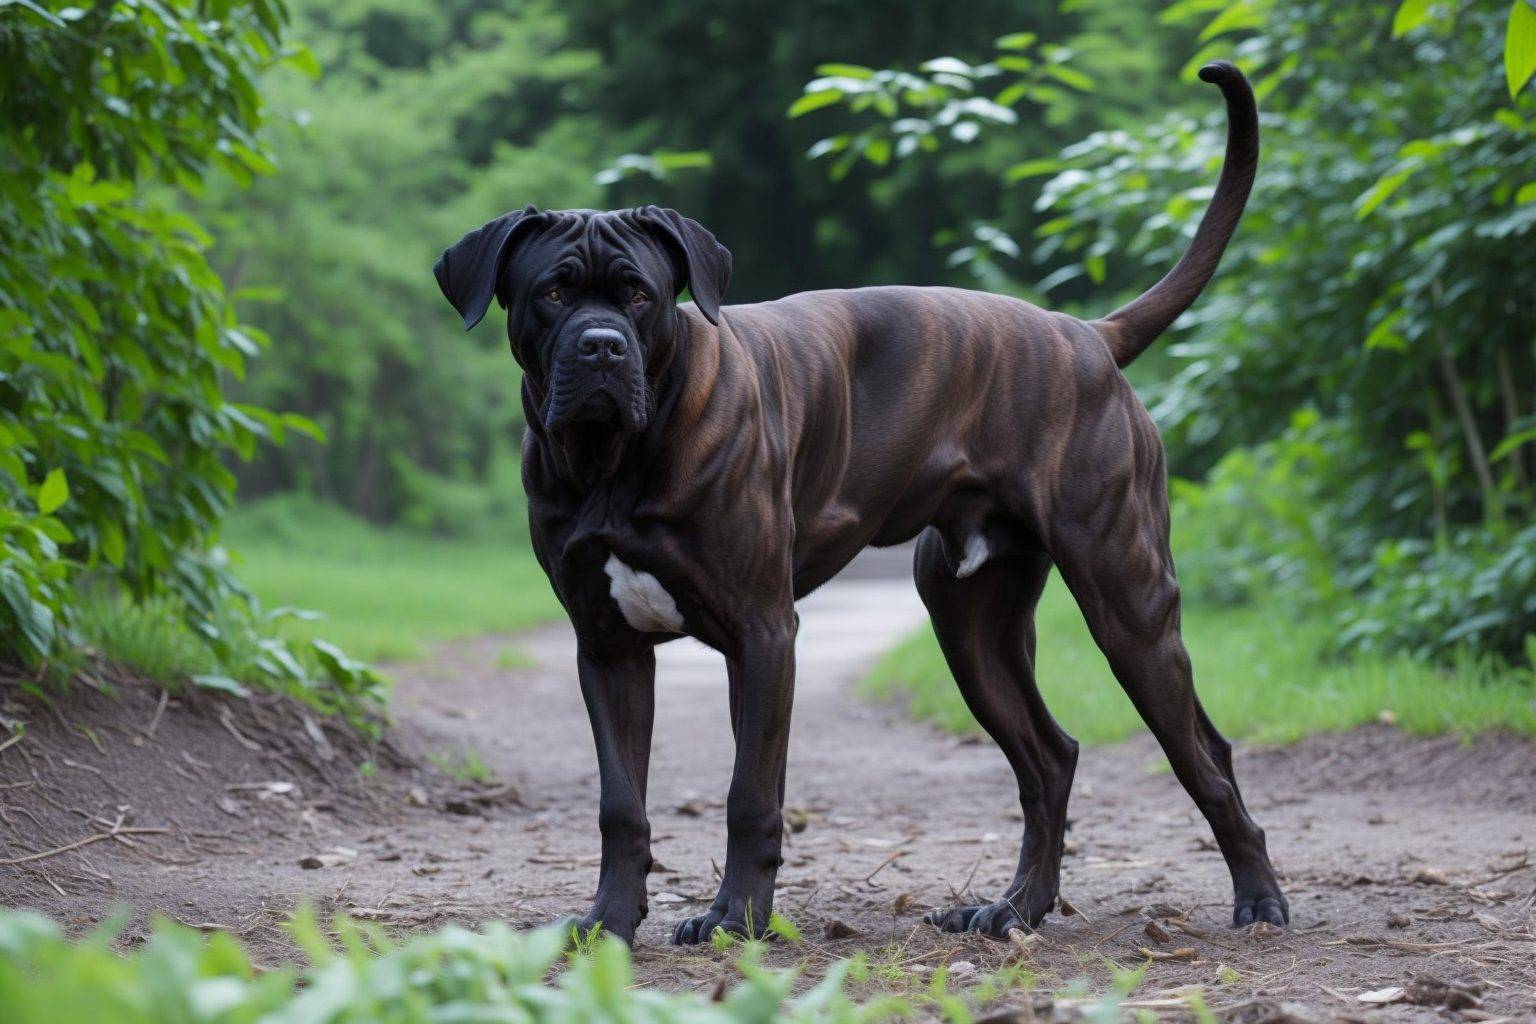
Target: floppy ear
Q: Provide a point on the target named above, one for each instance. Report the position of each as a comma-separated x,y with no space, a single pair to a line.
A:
707,262
469,270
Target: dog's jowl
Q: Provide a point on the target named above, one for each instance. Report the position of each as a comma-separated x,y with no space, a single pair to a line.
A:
693,469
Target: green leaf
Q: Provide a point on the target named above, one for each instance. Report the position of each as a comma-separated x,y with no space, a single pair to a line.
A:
1520,46
1031,168
1380,192
33,616
1527,193
1410,15
784,928
1235,18
53,493
222,684
114,547
1015,41
303,425
1097,268
1070,76
845,71
1015,92
1384,334
834,144
1510,444
814,101
947,66
679,160
304,59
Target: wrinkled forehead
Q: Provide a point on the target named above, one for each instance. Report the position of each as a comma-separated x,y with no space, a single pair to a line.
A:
587,246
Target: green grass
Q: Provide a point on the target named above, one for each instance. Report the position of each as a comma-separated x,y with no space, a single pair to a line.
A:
386,593
1260,674
464,764
150,637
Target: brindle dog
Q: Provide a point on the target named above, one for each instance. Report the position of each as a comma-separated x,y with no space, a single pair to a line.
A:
695,470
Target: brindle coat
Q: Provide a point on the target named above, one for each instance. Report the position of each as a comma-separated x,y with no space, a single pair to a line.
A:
698,469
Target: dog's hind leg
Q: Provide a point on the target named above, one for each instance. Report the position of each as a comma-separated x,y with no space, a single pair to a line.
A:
1112,548
985,625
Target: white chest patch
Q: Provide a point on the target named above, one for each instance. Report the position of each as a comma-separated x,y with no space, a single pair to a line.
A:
976,552
645,604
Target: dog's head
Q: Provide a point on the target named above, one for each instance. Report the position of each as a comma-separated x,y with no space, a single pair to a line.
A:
592,315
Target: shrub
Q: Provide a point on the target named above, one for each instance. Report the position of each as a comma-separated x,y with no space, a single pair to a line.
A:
116,338
1267,522
496,974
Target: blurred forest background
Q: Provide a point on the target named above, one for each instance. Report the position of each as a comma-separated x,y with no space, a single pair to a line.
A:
1350,411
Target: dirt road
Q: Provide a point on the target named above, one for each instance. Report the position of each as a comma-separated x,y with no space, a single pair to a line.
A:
1403,858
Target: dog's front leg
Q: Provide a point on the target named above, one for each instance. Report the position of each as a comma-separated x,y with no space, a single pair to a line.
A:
620,692
762,692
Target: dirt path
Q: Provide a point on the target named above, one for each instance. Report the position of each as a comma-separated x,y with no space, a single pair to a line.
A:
1402,857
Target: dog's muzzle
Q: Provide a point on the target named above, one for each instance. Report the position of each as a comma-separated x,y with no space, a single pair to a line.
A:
598,379
597,399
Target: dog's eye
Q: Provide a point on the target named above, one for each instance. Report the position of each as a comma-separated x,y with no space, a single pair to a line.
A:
639,298
553,295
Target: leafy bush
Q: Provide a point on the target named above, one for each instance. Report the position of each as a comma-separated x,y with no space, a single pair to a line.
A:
1293,522
497,974
1477,591
116,337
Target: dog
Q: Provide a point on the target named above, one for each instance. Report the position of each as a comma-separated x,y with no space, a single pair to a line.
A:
693,469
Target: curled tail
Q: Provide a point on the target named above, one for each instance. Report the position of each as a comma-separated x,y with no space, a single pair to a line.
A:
1130,329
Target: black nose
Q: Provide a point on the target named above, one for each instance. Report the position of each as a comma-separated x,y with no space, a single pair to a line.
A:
601,345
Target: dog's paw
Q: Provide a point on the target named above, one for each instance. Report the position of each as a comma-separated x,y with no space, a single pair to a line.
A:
994,919
606,920
733,919
691,931
1263,910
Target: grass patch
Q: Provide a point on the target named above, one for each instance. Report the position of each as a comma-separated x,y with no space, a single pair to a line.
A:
464,764
150,637
514,658
156,638
386,593
1260,674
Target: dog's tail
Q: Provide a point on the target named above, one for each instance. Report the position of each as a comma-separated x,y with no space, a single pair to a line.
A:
1130,329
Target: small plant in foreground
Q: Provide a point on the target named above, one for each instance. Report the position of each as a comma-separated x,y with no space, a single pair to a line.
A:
455,974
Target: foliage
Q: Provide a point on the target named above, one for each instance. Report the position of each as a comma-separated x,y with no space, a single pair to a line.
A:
427,121
389,592
116,337
945,96
455,974
1291,520
731,72
1380,280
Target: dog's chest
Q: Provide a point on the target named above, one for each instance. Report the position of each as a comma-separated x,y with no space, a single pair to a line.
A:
642,600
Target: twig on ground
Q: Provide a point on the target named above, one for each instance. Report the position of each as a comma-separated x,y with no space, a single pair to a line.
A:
15,739
869,878
93,838
227,721
1371,942
154,723
1525,862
